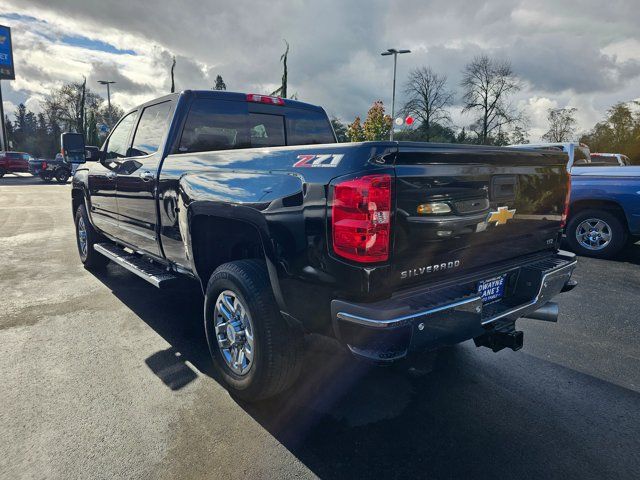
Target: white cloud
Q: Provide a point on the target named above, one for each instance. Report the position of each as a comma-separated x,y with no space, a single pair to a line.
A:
588,57
9,107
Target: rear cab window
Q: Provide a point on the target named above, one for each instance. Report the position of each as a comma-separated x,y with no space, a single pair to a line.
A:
603,160
214,124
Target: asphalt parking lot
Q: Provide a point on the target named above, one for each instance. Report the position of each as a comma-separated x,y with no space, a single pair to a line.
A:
104,376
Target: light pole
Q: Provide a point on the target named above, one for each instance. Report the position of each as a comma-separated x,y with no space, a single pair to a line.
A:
395,52
108,83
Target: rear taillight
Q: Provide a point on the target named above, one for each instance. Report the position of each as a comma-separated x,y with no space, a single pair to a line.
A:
565,213
361,218
254,97
44,165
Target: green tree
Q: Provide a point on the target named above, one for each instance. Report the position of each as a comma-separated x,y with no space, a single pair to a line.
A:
219,85
436,133
519,136
340,129
91,137
8,125
355,132
377,125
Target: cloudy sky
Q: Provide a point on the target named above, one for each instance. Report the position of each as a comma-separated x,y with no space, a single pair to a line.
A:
584,54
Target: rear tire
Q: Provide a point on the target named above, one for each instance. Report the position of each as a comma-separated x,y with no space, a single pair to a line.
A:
274,359
86,238
2,172
596,233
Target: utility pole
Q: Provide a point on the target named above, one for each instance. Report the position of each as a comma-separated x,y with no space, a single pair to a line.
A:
395,52
108,83
3,129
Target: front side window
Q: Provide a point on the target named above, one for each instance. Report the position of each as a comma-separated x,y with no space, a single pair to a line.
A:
117,145
151,129
214,125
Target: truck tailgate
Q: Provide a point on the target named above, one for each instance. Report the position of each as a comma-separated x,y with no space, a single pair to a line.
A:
462,209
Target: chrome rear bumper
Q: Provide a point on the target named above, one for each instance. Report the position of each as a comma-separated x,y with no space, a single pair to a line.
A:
389,329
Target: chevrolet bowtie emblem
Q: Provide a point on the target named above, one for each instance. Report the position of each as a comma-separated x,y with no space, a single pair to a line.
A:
501,216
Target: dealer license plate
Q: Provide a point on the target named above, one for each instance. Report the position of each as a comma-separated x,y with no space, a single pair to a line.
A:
492,289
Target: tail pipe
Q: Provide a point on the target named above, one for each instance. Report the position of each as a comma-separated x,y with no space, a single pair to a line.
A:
547,313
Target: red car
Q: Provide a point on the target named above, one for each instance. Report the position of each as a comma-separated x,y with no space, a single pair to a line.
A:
14,162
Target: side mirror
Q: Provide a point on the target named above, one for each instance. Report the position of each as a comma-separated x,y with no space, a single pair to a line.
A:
91,153
73,149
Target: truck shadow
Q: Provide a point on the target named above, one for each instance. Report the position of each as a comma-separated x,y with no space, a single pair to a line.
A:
630,254
470,413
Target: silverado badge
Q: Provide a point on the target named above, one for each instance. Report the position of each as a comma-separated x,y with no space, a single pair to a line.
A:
502,216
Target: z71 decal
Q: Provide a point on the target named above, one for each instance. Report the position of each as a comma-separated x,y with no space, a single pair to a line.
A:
320,161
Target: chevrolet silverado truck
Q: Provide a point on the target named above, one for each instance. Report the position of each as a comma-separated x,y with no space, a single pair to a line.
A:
391,248
604,206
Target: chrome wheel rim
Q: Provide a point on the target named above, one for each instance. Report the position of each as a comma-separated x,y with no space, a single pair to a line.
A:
82,237
234,332
594,234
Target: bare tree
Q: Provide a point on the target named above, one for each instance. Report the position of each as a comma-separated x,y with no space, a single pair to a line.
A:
428,98
282,90
562,125
69,106
487,84
173,83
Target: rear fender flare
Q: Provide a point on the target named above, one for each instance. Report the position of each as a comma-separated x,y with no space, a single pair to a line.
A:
245,214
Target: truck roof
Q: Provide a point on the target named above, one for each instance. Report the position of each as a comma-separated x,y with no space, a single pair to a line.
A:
229,96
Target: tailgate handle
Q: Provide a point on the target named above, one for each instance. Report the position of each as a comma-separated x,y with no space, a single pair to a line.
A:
504,187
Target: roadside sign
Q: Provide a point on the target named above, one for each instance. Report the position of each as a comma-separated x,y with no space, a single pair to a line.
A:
7,71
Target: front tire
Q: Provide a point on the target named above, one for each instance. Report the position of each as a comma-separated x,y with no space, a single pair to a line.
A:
62,175
596,233
86,238
255,351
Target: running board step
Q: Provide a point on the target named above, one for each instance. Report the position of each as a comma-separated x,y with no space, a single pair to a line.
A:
143,268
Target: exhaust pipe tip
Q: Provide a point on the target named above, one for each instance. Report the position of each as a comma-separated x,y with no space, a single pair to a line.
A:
547,313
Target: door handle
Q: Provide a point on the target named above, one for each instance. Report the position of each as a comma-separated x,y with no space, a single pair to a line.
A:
147,175
111,175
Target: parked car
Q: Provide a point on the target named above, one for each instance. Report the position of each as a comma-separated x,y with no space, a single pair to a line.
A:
14,162
390,247
604,210
50,169
609,159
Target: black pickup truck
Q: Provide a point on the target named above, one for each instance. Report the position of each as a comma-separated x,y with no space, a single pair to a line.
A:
390,247
48,169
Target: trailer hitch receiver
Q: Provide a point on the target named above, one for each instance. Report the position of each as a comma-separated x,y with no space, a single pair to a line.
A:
497,340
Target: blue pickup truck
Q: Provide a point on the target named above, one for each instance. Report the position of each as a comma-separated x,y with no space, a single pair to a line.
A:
604,209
